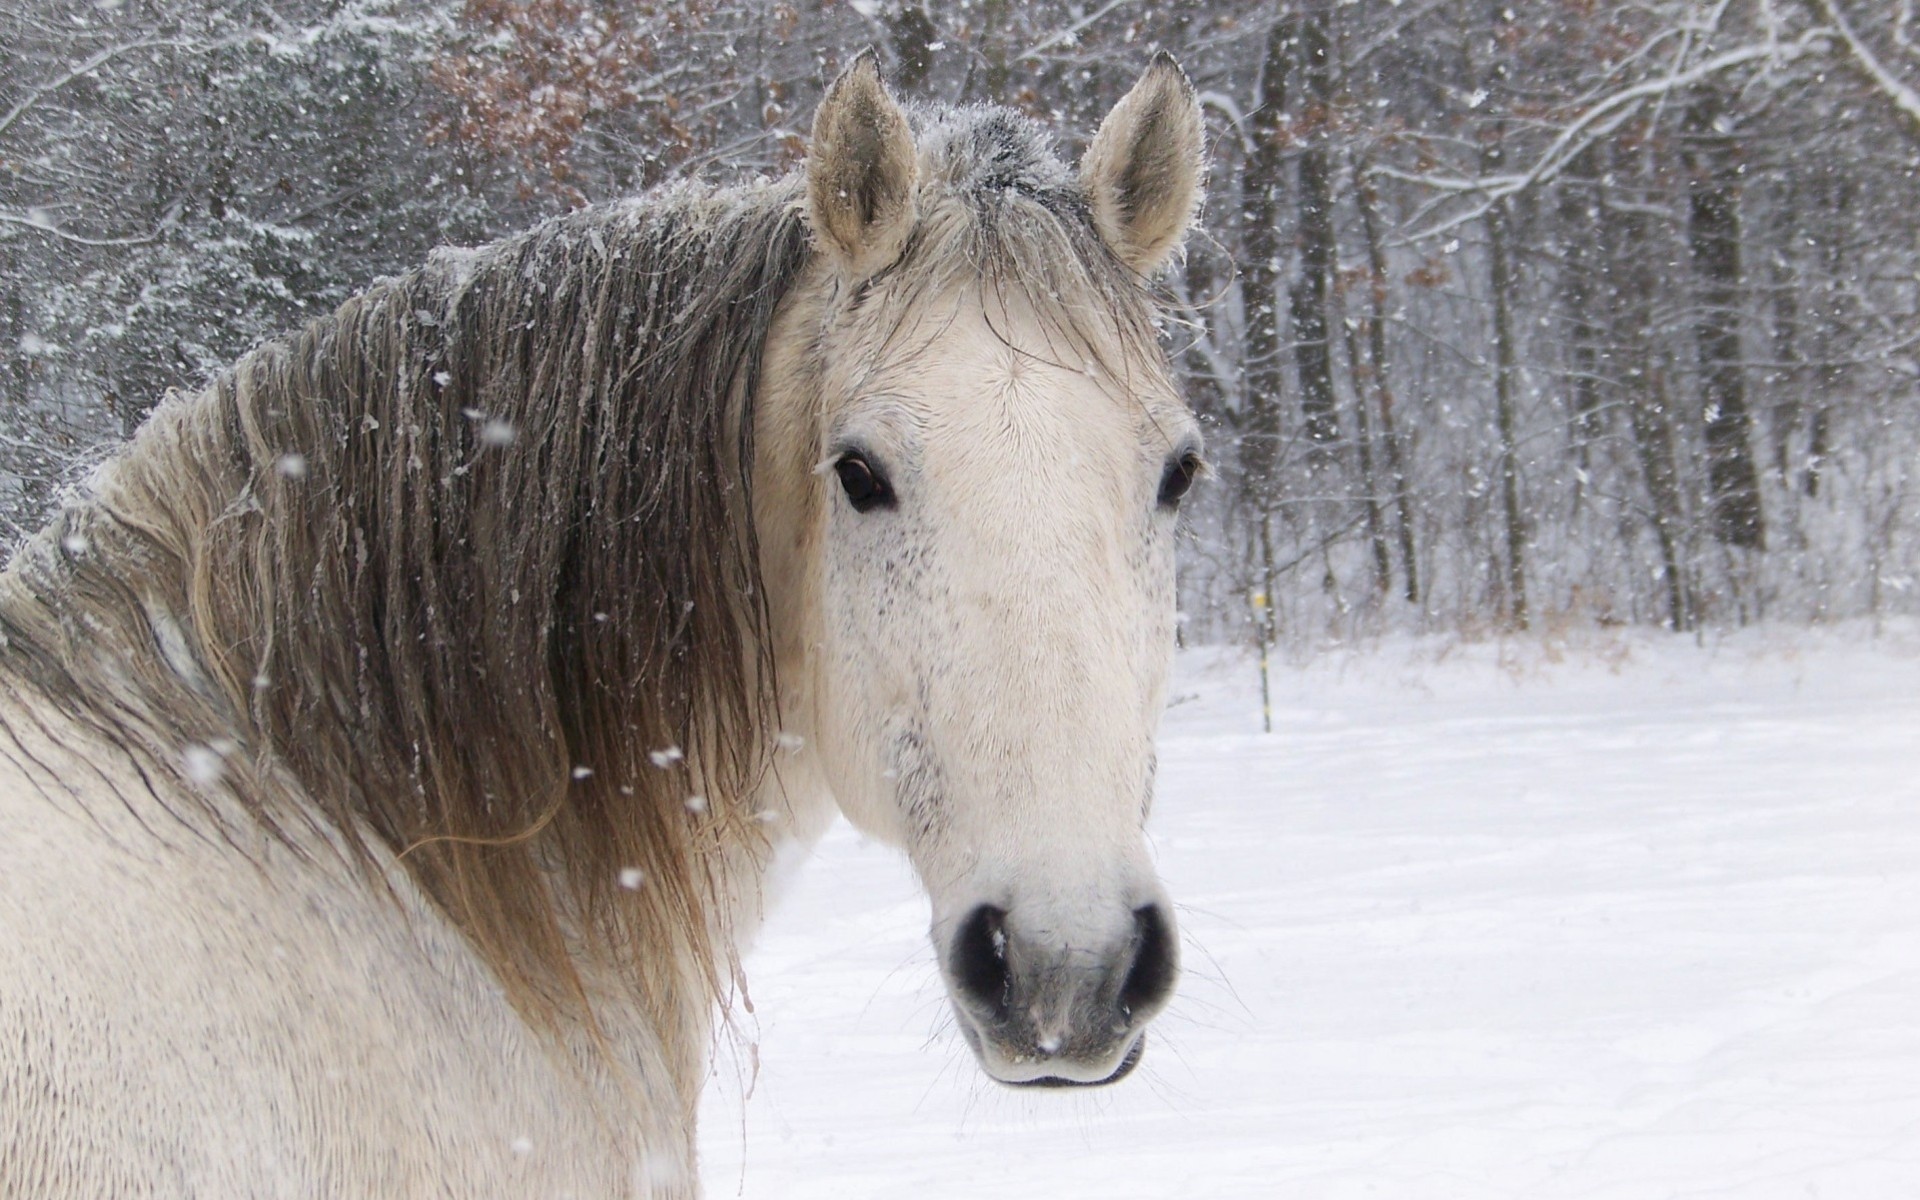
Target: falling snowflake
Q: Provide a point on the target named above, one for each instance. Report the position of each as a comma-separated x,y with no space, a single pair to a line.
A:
666,758
203,763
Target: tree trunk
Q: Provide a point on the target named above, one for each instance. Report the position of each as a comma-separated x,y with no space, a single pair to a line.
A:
1713,229
1504,357
1577,278
1368,201
1789,376
1630,246
1653,442
1492,78
913,34
1260,280
1832,323
1363,444
1209,391
988,69
1312,289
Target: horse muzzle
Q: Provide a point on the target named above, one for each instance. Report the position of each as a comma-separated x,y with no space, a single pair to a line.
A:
1042,1010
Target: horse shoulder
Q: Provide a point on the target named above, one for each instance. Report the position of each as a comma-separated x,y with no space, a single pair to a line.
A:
181,1015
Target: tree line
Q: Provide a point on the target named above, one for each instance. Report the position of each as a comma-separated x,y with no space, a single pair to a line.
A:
1499,315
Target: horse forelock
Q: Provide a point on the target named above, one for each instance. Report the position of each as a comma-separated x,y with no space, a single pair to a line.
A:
1002,213
462,573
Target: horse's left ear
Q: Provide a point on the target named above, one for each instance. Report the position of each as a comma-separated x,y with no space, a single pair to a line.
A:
1142,171
860,170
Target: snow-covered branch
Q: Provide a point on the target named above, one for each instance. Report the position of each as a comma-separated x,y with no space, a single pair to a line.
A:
85,67
1598,121
40,224
1904,98
1068,35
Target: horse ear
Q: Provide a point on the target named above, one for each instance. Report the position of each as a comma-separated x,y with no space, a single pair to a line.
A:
860,170
1142,171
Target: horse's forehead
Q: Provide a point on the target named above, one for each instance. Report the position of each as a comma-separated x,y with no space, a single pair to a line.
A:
987,370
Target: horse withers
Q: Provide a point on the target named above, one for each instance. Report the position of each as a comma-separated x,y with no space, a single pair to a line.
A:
396,737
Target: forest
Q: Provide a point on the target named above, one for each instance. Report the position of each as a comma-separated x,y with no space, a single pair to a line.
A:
1499,315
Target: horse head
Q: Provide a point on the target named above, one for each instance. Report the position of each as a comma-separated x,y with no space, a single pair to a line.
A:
967,487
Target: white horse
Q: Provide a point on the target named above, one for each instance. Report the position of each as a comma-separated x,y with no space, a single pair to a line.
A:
396,737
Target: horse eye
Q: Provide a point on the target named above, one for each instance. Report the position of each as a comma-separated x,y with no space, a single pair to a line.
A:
1177,479
865,486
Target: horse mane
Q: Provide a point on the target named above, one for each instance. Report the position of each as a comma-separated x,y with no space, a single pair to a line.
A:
464,572
470,561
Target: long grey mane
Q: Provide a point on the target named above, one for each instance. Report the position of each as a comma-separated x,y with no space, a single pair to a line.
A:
457,557
465,570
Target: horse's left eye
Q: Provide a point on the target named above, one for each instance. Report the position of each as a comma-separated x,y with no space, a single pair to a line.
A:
1177,478
865,484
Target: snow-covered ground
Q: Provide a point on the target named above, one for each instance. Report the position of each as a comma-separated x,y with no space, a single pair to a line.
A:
1624,918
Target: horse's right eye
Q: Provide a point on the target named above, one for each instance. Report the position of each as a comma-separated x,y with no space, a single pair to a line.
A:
865,484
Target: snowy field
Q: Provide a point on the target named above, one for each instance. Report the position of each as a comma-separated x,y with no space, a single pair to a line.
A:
1627,918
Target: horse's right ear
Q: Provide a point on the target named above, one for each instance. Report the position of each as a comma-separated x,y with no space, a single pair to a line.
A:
860,171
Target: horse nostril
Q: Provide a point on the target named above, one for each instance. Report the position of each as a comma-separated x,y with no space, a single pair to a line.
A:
1150,979
979,962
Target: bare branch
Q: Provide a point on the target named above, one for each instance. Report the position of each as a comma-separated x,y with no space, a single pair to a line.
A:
1904,98
1067,35
84,67
42,225
1599,120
